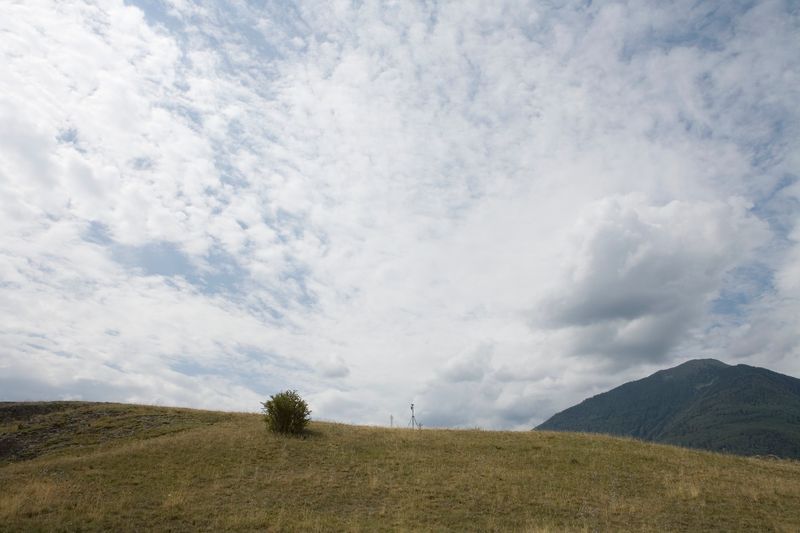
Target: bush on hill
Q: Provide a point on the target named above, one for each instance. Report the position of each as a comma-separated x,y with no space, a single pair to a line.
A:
286,412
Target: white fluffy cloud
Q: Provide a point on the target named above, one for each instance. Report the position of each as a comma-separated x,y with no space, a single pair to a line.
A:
491,210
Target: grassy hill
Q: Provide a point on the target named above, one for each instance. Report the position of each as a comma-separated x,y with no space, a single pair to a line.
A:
702,404
78,466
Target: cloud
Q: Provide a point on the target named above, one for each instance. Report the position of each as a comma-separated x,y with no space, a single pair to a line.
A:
468,367
335,367
492,211
641,275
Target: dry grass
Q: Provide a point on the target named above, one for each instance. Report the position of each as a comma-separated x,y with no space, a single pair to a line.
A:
233,475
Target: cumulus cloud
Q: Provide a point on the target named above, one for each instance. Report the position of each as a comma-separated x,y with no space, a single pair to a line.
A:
642,275
492,210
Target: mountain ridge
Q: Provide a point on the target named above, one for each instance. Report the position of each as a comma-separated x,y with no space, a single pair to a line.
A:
701,403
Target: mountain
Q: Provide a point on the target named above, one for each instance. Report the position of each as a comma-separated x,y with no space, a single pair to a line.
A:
702,403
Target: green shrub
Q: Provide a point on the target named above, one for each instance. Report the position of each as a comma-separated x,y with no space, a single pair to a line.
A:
286,412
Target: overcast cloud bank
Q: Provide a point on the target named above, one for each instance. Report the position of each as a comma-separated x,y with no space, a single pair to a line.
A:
490,209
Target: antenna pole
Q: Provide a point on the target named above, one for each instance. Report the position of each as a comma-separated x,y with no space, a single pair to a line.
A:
414,424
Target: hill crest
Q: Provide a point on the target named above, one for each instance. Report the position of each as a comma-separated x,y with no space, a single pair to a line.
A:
115,467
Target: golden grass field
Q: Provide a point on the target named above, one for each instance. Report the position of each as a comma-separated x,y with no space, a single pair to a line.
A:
111,467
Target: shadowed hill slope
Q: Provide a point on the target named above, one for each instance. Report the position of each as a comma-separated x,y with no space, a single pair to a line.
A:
701,404
185,470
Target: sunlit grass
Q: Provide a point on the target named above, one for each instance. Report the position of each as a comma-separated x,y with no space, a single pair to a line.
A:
226,472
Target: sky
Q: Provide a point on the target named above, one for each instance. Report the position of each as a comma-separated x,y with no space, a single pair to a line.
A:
491,209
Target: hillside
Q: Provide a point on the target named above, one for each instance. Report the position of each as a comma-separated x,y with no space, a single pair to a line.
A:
702,404
106,467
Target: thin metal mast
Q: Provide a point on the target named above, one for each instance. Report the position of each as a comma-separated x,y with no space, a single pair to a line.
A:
414,424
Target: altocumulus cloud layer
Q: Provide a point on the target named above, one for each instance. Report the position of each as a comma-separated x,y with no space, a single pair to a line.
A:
493,209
